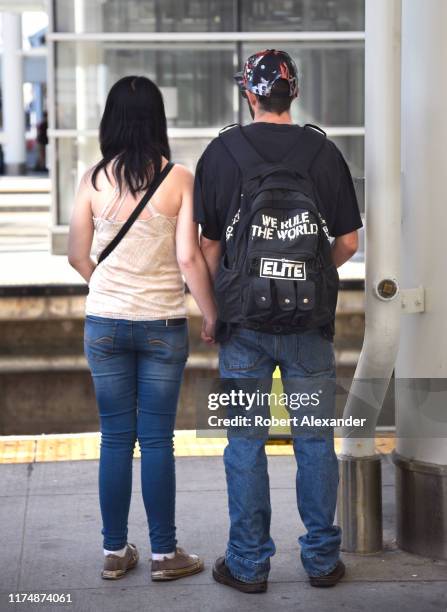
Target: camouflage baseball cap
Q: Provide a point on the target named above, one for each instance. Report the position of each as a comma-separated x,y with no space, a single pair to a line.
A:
263,69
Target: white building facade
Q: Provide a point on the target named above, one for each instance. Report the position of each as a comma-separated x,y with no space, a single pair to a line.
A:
191,49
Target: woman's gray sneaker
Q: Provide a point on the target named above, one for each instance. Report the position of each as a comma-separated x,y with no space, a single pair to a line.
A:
179,566
115,567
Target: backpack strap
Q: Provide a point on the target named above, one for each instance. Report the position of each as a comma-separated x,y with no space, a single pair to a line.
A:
309,144
299,159
249,161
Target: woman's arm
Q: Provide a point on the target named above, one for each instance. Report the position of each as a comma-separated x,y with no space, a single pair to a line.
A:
191,261
80,237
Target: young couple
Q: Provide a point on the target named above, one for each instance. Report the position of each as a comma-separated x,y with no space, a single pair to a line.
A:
145,213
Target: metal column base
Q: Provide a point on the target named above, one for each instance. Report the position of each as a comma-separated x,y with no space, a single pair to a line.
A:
421,499
360,503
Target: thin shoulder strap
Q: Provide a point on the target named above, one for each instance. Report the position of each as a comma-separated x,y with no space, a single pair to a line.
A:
109,204
120,204
309,143
136,212
242,151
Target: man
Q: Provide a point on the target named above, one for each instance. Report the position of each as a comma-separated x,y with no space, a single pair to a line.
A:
276,306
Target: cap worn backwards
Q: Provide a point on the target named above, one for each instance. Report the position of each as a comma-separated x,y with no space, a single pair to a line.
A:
263,69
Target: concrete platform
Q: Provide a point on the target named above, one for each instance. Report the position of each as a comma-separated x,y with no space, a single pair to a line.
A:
50,535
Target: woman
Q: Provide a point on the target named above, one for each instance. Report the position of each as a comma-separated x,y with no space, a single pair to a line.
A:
136,337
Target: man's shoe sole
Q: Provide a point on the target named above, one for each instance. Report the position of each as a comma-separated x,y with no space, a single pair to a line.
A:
175,574
325,582
244,587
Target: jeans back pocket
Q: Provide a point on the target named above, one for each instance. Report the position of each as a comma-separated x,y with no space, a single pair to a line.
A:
99,338
169,344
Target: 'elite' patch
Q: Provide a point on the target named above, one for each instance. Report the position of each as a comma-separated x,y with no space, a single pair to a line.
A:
282,268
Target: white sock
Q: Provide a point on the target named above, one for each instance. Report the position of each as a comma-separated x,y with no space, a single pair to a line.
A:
161,556
118,553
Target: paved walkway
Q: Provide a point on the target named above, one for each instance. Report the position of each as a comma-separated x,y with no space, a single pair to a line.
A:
49,530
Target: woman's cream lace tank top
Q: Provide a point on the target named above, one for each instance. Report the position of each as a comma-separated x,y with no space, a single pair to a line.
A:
140,279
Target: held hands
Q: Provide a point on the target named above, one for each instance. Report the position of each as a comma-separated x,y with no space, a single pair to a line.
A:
208,330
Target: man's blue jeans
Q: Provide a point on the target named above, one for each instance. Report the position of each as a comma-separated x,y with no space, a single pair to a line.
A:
137,368
302,358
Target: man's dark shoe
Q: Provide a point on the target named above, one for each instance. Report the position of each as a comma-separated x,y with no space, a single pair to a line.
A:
331,579
222,574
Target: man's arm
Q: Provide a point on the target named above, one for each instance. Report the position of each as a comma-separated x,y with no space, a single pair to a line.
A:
211,253
344,247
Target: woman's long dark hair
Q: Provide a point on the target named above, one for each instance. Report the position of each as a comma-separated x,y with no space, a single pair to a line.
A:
133,134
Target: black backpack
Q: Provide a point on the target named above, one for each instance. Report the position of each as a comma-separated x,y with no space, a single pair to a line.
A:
277,274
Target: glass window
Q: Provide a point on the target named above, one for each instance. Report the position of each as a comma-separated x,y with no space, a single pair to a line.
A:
187,151
73,157
352,148
208,15
145,16
302,15
331,82
196,80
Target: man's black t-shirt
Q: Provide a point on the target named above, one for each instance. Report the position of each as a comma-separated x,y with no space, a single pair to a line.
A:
218,180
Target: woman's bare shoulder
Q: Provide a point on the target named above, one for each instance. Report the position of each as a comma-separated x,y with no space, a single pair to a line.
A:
183,172
183,175
85,183
103,178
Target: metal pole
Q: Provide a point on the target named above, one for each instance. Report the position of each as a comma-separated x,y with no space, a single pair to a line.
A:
421,367
359,510
12,92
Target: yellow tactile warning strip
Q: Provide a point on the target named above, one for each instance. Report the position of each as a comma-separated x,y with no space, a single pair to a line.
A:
75,447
